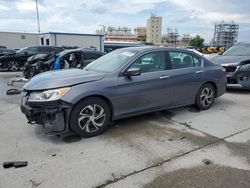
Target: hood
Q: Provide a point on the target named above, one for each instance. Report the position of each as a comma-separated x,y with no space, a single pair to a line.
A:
61,78
233,60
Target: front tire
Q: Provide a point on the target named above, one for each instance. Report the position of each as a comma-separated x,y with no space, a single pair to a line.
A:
13,65
205,97
90,117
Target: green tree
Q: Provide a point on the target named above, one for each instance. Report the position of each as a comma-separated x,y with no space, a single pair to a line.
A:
197,41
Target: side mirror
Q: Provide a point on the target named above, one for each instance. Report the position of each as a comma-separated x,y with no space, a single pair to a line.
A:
133,72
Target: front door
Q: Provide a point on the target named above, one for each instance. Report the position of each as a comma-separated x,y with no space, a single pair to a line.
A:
147,91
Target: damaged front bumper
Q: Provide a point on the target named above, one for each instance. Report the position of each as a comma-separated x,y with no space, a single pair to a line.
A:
53,115
240,80
237,78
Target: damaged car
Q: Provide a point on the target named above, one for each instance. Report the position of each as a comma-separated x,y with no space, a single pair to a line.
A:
15,61
75,58
120,84
236,61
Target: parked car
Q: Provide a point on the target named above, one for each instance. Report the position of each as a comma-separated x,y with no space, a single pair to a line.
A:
77,58
5,51
236,61
119,85
13,62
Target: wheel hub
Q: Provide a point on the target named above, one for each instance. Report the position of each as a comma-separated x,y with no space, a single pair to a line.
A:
91,118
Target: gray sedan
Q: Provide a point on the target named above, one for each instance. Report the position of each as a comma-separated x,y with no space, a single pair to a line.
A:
123,83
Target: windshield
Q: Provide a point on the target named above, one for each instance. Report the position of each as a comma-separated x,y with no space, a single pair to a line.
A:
238,51
111,61
21,50
28,50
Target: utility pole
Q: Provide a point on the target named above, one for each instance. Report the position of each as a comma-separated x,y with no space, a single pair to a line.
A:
37,16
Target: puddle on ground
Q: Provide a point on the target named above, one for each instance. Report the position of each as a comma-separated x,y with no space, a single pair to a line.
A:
71,138
209,176
239,149
195,110
136,131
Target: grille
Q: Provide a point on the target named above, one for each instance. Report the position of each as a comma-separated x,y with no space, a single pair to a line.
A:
230,68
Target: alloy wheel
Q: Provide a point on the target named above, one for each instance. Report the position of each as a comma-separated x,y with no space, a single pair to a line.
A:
91,118
207,96
13,66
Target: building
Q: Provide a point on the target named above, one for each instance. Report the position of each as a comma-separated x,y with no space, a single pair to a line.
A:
72,39
141,33
185,40
20,40
17,40
154,25
171,39
225,34
117,34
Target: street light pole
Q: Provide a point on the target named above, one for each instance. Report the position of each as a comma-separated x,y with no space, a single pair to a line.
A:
37,16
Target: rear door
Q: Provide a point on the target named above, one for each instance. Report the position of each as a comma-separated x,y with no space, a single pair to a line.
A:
186,75
147,91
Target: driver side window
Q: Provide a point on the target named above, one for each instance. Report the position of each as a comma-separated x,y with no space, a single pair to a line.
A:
151,62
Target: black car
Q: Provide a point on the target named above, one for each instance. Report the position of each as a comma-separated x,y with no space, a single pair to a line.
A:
13,62
236,61
76,58
5,51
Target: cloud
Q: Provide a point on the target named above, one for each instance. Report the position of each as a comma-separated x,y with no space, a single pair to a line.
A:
28,6
3,8
188,16
227,10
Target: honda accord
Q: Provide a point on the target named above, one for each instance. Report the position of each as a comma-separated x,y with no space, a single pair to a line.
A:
123,83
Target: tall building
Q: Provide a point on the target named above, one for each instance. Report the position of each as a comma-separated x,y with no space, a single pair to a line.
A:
154,25
225,34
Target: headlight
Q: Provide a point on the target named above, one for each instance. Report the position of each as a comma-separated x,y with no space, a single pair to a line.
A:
245,67
49,95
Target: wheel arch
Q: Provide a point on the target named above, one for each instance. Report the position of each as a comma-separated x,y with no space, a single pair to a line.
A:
214,85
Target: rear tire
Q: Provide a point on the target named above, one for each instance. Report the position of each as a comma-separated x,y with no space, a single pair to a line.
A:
90,117
205,97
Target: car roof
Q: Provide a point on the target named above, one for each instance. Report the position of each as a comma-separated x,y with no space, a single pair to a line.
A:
79,50
150,48
243,44
43,46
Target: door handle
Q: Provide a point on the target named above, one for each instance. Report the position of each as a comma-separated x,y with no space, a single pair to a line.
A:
199,71
165,76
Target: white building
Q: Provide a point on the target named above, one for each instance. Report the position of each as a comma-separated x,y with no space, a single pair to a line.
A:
20,40
154,25
72,39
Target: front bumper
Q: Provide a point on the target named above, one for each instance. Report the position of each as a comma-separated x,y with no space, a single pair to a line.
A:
240,80
53,116
237,79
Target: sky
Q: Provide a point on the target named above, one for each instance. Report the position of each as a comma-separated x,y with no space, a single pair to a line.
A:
82,16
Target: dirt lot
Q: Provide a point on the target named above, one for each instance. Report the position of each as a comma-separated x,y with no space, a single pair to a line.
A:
176,148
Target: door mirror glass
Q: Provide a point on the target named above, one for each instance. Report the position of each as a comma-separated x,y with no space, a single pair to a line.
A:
133,72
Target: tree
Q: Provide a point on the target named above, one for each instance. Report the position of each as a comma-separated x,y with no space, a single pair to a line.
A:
197,41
